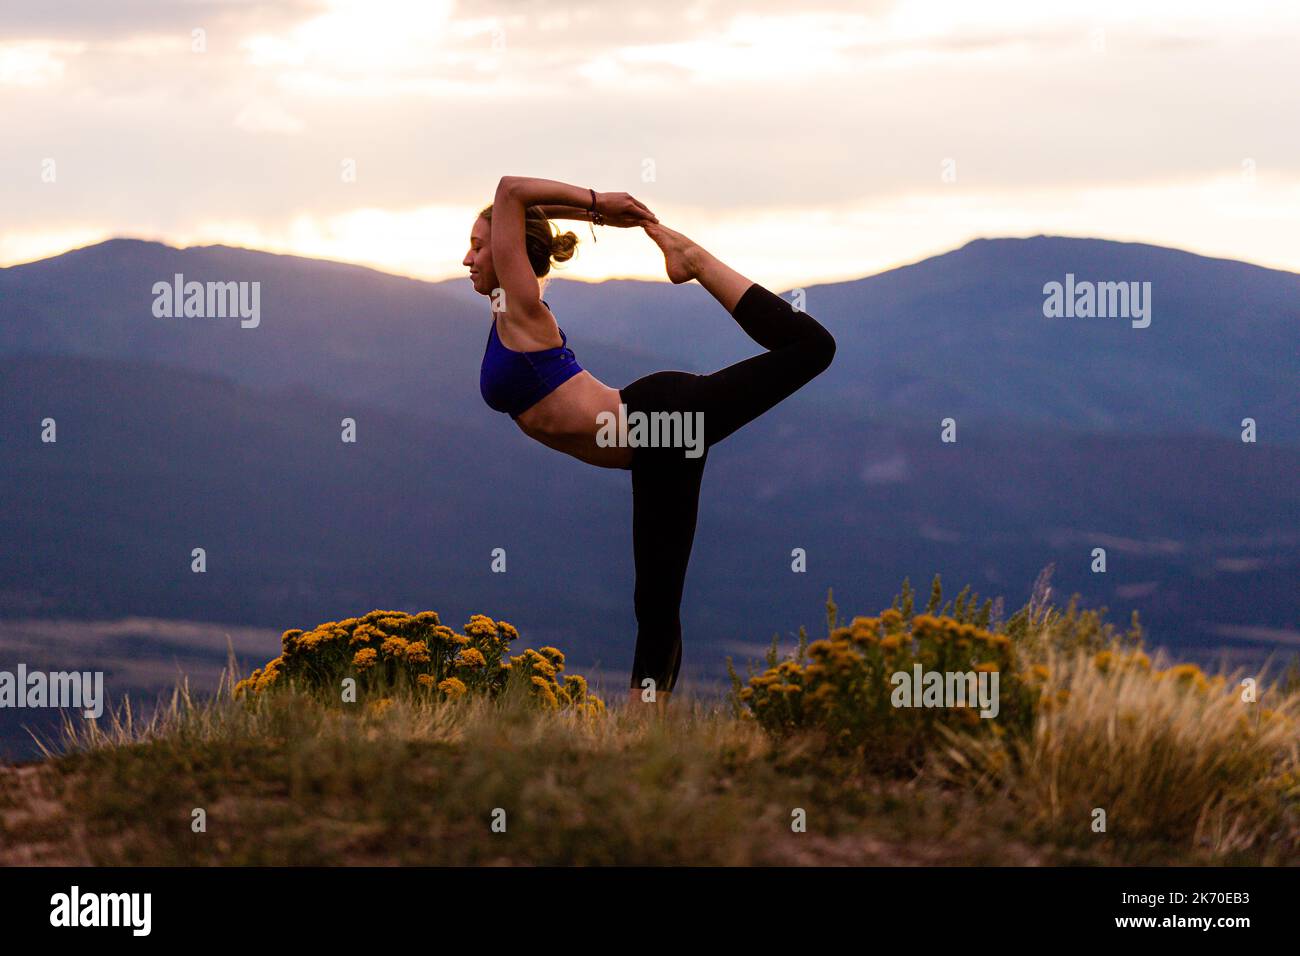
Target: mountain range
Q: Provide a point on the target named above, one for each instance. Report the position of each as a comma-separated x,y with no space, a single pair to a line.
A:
1072,434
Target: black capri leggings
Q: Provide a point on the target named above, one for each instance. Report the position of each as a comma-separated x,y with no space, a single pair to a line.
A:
666,483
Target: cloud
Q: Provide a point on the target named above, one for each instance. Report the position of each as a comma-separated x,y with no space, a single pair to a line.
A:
831,120
34,63
1259,635
264,116
95,20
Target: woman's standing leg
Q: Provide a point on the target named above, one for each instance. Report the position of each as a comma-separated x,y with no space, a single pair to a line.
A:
665,503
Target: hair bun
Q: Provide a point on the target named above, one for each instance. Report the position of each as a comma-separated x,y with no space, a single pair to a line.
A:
542,244
563,246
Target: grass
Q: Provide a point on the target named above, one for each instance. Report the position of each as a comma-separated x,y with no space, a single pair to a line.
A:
294,780
1186,774
1172,758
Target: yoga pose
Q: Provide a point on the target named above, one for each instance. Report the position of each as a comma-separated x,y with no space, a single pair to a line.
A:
531,374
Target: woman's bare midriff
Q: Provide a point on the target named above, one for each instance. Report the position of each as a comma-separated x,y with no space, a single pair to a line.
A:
567,421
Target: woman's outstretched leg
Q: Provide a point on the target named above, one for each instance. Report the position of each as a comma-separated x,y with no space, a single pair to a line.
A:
686,260
798,347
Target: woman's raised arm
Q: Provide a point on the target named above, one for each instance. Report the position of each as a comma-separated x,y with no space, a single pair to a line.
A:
535,192
523,300
510,256
616,209
566,212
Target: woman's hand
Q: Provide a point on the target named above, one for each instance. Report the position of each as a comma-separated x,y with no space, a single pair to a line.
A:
623,211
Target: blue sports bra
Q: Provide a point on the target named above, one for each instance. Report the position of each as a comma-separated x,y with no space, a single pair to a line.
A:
513,382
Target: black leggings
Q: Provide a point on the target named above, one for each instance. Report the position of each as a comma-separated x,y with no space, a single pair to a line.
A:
666,483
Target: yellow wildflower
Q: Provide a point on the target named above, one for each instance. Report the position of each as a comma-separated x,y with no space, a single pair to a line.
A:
577,683
394,647
452,687
363,634
470,657
544,691
480,625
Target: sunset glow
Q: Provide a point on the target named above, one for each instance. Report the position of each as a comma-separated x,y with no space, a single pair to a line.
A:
811,146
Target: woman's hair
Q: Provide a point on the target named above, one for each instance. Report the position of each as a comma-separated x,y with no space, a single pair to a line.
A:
543,245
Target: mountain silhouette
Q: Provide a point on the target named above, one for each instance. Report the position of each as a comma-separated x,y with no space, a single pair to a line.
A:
958,335
1072,434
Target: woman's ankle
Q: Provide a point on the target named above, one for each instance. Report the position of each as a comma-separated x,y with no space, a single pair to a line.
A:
658,704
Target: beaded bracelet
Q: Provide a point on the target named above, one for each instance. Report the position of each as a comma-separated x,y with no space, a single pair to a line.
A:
596,217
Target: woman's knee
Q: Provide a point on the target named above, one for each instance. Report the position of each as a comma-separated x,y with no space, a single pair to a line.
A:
817,349
824,349
658,610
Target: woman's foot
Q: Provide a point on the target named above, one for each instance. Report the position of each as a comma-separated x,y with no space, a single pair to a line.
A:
682,257
640,708
685,261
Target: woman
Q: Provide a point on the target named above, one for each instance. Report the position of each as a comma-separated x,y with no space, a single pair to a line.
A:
530,373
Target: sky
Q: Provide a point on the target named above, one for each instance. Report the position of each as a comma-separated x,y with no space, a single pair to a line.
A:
800,143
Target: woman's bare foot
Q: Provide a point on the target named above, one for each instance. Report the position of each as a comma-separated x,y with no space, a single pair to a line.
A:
640,708
685,260
682,257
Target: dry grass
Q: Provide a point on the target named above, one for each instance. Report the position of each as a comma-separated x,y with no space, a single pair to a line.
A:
1186,775
1171,757
293,779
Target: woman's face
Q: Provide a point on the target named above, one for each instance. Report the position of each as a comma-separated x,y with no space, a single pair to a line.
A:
479,258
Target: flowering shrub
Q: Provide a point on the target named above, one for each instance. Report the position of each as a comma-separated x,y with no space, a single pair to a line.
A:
846,685
387,648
